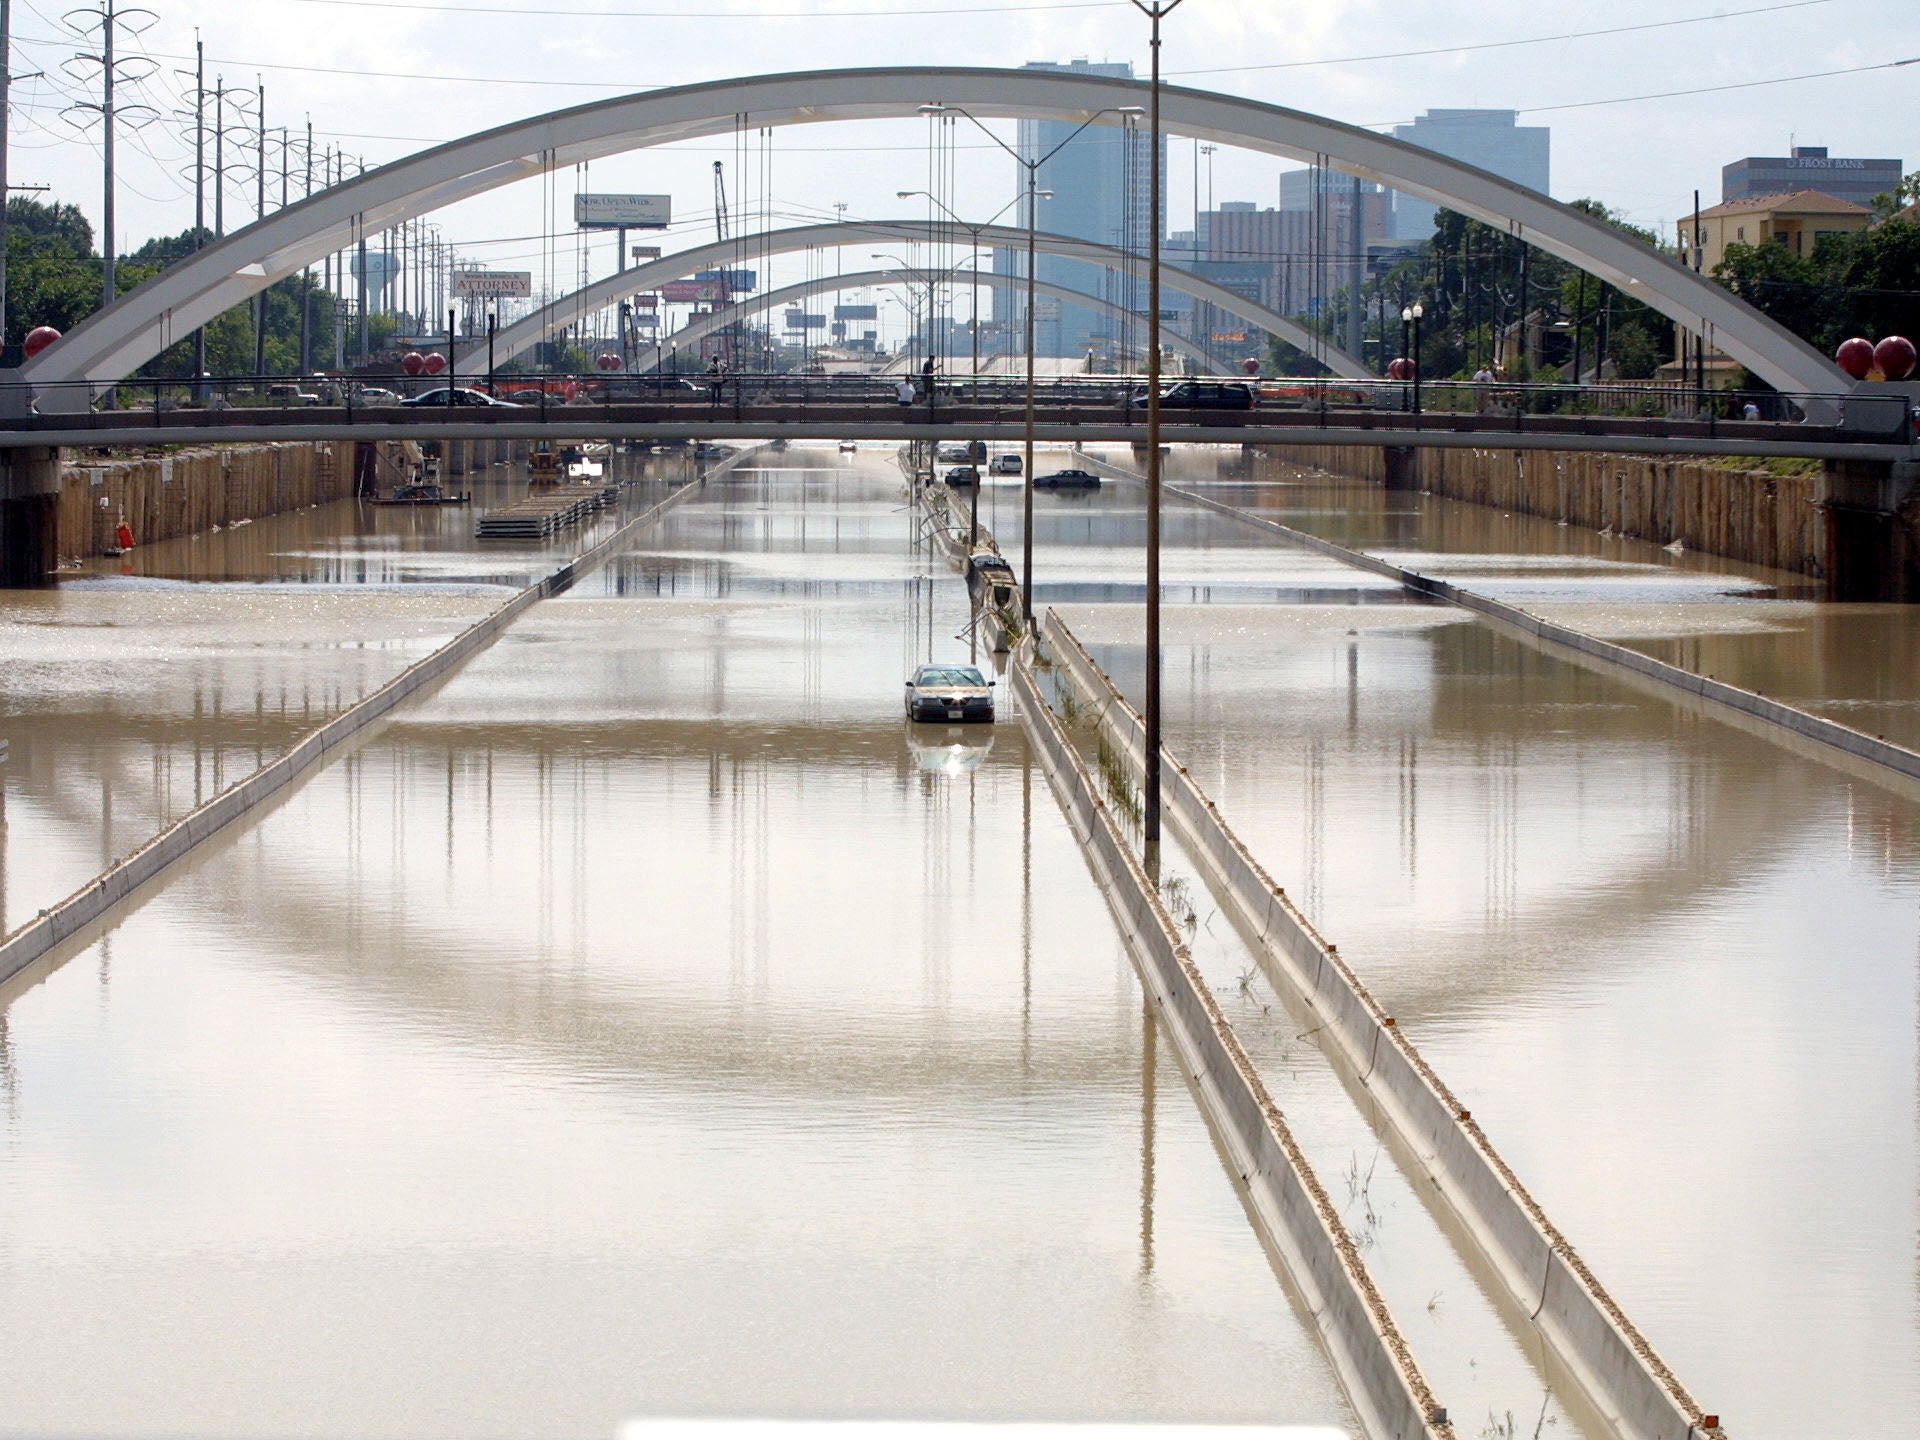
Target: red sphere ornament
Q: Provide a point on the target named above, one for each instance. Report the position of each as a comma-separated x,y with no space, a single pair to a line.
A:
39,338
434,363
1250,366
1855,356
1400,369
1894,357
608,361
413,362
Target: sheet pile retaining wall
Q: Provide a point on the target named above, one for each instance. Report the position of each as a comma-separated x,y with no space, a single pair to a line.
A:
127,875
1751,515
1751,711
163,497
1368,1351
1619,1369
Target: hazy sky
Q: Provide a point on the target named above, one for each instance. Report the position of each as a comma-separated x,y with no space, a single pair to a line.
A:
447,67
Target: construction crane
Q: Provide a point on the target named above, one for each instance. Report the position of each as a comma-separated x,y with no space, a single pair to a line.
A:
720,200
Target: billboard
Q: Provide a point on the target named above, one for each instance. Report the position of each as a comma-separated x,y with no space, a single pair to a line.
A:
647,302
692,292
645,320
856,312
645,252
623,212
805,320
493,284
740,280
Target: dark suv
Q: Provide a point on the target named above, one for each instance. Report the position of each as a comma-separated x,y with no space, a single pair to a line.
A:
1199,395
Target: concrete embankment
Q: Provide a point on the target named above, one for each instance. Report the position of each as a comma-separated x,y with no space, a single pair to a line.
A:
163,497
1754,516
1367,1348
1813,736
124,877
1620,1371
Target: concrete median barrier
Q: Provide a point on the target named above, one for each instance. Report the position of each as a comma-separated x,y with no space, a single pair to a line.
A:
1294,1211
1618,1368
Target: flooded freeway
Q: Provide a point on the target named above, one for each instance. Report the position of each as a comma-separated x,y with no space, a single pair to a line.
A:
650,1021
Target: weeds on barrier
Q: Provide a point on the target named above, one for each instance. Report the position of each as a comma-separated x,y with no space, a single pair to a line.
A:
1122,793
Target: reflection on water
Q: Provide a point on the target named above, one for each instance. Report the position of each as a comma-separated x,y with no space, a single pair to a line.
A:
1670,967
640,1025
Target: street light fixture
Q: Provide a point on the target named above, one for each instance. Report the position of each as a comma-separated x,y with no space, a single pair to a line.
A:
973,233
1034,195
1411,316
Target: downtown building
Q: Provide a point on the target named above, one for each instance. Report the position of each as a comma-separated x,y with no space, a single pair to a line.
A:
1101,182
1809,167
1489,139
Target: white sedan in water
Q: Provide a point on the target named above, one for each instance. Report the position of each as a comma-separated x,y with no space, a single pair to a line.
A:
949,692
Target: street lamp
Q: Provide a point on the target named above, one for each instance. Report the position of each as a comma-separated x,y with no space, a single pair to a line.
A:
1410,316
1033,196
973,233
1154,10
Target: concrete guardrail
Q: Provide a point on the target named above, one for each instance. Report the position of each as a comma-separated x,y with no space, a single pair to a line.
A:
1620,1371
125,876
1855,750
1367,1348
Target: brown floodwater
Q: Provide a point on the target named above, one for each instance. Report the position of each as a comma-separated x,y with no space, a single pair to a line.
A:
650,1021
1669,966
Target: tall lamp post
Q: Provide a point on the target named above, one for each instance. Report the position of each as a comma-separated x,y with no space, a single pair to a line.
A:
1034,195
1410,320
973,234
1154,10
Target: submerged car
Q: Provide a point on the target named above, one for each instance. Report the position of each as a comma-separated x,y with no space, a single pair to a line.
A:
949,692
962,476
1067,480
1005,465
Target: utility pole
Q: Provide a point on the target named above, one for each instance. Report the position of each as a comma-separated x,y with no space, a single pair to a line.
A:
260,213
360,225
1154,10
6,75
306,272
219,156
107,286
199,190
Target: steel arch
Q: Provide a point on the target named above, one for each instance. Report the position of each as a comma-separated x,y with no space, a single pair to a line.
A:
530,330
707,324
117,339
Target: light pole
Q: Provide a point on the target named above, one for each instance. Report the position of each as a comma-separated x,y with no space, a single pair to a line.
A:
1034,195
1411,317
1154,10
973,233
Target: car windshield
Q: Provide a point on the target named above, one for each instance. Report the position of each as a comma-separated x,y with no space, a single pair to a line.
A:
949,675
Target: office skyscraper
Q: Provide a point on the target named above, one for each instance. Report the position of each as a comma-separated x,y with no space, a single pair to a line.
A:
1489,139
1100,183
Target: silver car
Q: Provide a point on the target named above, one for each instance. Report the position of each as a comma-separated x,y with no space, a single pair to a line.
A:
949,692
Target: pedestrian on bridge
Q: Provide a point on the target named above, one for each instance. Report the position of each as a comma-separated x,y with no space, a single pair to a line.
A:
905,393
716,378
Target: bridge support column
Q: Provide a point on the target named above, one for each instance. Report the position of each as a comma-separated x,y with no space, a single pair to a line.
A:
29,516
1402,469
1871,548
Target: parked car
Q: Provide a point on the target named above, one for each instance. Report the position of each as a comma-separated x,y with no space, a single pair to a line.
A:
1005,465
962,475
461,396
291,395
1199,395
949,692
1067,480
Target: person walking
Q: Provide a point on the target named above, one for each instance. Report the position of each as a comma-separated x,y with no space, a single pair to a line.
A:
716,378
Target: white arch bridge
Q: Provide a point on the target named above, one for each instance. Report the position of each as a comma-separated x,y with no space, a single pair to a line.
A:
112,343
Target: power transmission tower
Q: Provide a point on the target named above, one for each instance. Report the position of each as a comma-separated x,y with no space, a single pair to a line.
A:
110,20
